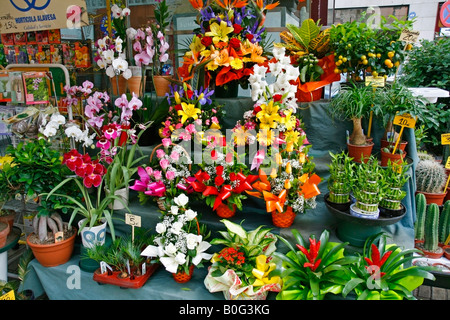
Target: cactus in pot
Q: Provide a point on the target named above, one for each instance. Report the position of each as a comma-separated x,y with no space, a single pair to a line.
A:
431,178
430,246
444,223
421,211
341,177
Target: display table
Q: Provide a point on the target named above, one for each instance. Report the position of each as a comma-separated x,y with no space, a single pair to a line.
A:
324,134
11,241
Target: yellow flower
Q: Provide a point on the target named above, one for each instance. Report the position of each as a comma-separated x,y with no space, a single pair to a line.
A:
265,137
268,116
236,64
240,136
292,136
196,45
5,159
289,120
219,32
205,53
188,111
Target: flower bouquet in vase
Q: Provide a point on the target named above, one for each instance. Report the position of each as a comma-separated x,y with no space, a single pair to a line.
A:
179,244
243,269
228,42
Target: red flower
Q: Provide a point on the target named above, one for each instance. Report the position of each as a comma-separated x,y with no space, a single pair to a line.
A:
92,180
235,43
237,28
311,255
277,97
375,261
206,41
249,36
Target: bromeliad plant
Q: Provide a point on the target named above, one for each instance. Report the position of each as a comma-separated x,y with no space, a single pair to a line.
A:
383,272
244,266
314,269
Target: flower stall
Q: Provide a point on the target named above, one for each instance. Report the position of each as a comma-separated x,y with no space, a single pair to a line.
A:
218,204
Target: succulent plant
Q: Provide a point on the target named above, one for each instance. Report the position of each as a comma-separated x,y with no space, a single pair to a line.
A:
444,222
421,210
431,228
430,176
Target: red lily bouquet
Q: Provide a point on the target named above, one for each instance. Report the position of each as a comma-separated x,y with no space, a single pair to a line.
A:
191,113
228,42
165,178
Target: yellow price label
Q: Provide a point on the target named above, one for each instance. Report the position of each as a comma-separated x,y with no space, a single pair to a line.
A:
8,296
447,164
445,138
405,120
133,220
375,81
410,36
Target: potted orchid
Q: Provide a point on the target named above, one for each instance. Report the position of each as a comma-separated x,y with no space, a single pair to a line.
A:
180,243
228,42
111,50
151,47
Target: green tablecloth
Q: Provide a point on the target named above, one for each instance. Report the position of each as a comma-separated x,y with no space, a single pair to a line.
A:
323,133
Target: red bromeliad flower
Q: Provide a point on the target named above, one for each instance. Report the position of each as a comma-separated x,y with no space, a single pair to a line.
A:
311,255
375,261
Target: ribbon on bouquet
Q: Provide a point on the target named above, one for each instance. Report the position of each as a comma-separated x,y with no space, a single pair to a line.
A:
156,189
262,185
275,202
309,187
245,182
222,194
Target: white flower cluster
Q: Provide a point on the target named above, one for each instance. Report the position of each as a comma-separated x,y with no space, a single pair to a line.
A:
284,72
51,128
175,245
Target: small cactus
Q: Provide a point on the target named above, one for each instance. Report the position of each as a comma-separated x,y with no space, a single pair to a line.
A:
444,222
430,176
421,210
431,228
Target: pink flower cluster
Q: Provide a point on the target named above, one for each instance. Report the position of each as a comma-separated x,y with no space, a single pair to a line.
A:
150,182
75,92
84,167
150,48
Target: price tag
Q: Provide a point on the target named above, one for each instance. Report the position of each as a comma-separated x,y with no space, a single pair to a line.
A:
133,220
8,296
447,164
59,236
405,120
410,36
445,138
376,82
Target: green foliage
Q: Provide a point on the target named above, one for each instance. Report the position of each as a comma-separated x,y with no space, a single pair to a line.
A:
395,177
382,272
342,174
421,211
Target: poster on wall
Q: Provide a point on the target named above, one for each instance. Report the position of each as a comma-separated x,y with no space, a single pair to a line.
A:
36,87
25,16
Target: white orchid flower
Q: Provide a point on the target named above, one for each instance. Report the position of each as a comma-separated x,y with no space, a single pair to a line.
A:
201,254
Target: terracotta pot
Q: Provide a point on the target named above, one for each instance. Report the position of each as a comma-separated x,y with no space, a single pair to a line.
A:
9,219
122,85
357,152
55,254
309,96
446,251
183,277
402,145
134,85
224,211
437,198
4,231
161,84
284,219
431,254
395,158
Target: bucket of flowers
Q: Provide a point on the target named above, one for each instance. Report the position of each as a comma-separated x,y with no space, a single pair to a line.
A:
179,244
228,42
244,269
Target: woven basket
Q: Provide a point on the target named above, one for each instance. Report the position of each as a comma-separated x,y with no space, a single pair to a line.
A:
224,211
284,219
183,277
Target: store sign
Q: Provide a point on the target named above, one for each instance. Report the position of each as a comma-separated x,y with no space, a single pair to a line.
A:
35,15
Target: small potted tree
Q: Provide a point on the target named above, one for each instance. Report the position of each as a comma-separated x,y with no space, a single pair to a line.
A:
431,178
342,171
353,102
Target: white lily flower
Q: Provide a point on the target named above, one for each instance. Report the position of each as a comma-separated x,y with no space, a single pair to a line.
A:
201,254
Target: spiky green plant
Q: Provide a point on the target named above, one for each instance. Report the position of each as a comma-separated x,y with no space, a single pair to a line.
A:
431,242
444,222
421,210
430,176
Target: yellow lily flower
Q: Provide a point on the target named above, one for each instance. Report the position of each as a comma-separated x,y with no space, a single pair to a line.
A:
262,271
219,32
188,111
196,45
289,120
270,110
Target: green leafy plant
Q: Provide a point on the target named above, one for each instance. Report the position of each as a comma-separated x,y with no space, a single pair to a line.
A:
383,272
342,169
353,102
313,269
395,177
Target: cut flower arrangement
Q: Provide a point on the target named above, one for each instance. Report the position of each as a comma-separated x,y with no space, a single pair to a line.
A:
180,239
228,41
244,269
